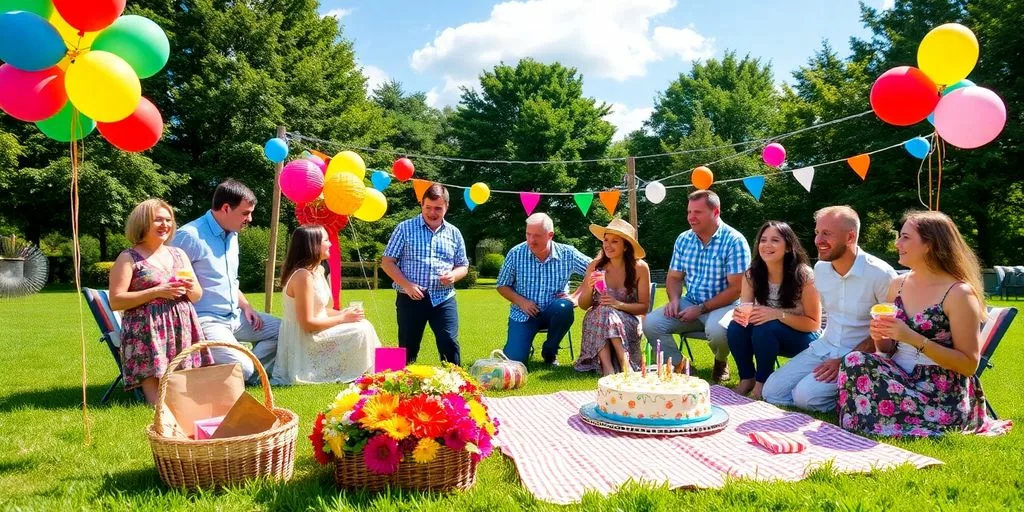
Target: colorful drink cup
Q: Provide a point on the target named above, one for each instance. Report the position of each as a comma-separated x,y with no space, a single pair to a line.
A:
600,285
884,309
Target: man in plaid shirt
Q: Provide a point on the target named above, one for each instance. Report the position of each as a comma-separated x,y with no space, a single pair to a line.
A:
535,279
711,257
425,257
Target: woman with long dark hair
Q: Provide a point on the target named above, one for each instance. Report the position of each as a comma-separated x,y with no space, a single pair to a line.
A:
779,311
317,343
617,291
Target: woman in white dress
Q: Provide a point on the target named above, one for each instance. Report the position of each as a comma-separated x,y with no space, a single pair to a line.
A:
318,344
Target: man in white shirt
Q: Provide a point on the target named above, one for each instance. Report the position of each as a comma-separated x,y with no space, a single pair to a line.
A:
850,281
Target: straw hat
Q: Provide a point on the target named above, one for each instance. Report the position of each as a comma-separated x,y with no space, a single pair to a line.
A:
619,227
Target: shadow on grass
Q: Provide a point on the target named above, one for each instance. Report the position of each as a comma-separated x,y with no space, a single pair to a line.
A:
63,398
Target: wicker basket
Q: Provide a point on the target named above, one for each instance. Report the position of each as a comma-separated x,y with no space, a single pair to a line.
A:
210,463
449,471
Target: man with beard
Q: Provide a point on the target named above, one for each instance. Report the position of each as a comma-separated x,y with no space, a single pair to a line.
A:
425,257
850,281
211,243
535,279
711,257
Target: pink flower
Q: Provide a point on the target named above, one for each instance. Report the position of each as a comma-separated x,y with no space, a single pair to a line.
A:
895,387
919,432
456,406
863,404
941,382
926,325
841,379
381,455
849,421
842,394
913,420
908,405
931,414
892,430
886,408
357,410
945,418
485,446
863,383
854,359
464,431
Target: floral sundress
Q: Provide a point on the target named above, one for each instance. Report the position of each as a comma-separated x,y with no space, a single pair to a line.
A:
604,322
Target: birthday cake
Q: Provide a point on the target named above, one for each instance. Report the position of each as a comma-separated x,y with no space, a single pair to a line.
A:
650,399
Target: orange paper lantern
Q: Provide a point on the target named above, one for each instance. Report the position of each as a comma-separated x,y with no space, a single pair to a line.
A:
702,178
343,193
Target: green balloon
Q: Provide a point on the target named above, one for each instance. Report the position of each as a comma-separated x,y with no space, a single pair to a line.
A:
137,40
43,8
58,127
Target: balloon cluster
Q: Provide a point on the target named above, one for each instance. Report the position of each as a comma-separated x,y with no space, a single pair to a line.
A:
73,66
964,114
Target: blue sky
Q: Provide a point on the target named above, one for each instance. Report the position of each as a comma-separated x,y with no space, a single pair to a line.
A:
627,50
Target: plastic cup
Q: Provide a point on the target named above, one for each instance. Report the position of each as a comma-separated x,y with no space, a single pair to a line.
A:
883,309
358,304
744,309
183,275
600,285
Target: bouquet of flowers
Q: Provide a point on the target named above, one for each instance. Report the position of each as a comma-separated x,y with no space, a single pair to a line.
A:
413,412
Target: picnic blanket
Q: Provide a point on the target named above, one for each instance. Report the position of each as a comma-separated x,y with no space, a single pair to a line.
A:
559,457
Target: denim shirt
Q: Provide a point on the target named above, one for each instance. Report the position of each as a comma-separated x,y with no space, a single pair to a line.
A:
214,256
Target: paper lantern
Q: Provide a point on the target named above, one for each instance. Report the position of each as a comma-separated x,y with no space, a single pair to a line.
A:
343,193
301,181
347,162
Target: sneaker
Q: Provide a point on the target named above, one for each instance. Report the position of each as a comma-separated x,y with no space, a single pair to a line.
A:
721,371
554,363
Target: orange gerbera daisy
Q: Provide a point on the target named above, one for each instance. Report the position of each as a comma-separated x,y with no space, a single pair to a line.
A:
428,417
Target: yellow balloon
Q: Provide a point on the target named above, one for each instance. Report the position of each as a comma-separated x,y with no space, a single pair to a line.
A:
343,193
103,86
349,162
948,53
374,206
479,193
70,34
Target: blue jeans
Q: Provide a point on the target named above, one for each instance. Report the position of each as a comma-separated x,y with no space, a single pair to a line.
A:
762,344
413,316
557,318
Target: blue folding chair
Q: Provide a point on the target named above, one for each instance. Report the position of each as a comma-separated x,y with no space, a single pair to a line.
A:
109,322
992,332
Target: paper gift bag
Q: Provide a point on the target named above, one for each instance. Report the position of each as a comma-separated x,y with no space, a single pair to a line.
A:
200,393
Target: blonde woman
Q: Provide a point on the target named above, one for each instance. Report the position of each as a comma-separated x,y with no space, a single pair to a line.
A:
152,284
927,387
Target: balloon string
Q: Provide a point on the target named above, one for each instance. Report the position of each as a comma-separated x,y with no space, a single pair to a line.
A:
942,155
76,155
930,189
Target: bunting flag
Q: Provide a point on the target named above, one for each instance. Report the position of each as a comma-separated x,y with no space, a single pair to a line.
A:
755,185
421,186
805,176
610,200
860,164
469,201
529,200
584,200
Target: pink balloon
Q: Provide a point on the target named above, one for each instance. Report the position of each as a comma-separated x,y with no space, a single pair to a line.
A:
774,154
32,95
970,117
301,181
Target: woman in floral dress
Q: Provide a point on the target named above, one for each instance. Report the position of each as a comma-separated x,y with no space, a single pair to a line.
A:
152,284
611,327
927,387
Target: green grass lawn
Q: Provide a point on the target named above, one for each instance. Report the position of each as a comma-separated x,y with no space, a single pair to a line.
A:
44,464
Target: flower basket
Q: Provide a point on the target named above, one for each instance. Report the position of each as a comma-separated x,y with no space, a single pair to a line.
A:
210,463
422,428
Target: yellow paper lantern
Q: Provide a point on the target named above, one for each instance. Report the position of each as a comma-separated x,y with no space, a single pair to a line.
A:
348,162
479,193
103,86
343,193
948,53
374,206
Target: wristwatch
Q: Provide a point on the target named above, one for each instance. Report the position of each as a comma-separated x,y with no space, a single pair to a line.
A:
703,308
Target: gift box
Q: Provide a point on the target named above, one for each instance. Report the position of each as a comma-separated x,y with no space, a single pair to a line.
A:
205,428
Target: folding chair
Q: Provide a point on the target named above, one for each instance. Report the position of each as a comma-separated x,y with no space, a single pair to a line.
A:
992,332
109,322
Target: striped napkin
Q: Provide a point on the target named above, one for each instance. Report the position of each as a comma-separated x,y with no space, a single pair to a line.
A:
777,442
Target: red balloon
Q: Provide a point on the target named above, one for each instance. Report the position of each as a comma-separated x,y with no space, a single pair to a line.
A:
403,169
31,95
89,15
138,132
904,96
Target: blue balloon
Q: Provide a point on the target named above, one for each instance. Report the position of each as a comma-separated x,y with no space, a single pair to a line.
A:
918,147
29,42
956,85
469,201
931,118
276,150
380,180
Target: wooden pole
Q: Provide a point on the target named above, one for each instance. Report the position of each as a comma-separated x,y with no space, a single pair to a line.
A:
631,184
275,216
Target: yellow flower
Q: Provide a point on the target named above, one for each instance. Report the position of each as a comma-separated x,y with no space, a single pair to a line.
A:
396,428
489,427
344,403
336,441
425,450
477,412
379,408
421,371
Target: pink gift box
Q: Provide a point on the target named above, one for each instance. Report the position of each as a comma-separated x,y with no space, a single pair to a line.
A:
388,358
206,427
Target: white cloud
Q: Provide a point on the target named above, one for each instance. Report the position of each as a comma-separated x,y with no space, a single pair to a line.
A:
888,4
449,93
602,38
338,13
374,77
627,120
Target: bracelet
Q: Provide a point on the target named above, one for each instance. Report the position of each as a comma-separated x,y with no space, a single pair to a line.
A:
783,316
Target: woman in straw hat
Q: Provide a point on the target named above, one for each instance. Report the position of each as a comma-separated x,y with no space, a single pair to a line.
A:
616,292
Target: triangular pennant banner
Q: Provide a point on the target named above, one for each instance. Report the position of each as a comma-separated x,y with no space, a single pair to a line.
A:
421,186
584,200
610,200
860,164
755,185
805,176
529,200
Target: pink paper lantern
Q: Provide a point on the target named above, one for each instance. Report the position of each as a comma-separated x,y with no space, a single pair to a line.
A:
970,117
319,162
301,181
774,154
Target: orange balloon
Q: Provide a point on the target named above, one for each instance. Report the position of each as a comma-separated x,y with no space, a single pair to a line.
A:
702,178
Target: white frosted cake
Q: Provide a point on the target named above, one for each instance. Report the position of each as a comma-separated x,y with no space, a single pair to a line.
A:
675,399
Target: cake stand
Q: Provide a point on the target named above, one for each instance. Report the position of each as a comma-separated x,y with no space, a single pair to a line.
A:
718,420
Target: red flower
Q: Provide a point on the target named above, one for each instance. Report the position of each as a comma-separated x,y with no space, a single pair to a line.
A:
317,437
381,455
428,417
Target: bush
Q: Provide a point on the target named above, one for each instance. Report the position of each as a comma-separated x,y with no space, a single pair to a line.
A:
488,246
97,275
491,265
878,236
253,248
469,281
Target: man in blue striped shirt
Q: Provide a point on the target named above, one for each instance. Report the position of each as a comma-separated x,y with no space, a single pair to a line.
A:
535,279
425,257
711,257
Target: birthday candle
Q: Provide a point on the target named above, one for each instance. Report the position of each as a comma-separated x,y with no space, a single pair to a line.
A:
643,357
668,369
687,367
658,357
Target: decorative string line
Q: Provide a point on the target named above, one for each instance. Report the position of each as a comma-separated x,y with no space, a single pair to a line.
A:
299,137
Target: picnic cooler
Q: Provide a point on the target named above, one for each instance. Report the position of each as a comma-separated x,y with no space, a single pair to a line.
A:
450,470
209,463
499,372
